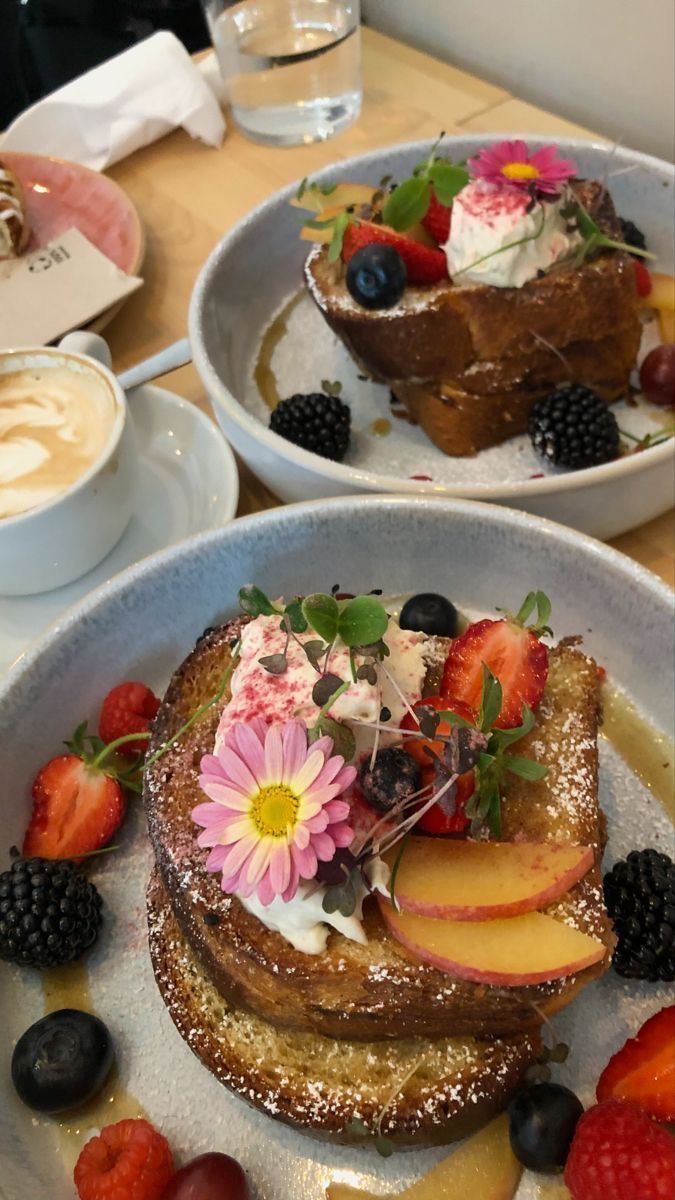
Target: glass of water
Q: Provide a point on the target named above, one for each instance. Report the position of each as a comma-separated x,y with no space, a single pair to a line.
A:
292,67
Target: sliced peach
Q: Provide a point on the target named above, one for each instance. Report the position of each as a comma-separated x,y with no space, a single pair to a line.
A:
662,295
342,196
477,881
482,1168
667,326
532,948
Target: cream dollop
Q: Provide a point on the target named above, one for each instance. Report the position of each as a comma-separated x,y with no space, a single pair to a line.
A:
54,423
487,219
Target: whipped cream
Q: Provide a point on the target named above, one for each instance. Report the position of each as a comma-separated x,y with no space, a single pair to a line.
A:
488,218
54,423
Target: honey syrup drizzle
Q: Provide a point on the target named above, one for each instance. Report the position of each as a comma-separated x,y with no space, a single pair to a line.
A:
649,753
265,378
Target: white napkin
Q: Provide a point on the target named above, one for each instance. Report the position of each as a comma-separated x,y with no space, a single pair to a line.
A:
125,103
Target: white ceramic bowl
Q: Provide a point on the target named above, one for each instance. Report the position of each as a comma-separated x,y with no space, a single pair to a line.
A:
259,264
140,625
57,542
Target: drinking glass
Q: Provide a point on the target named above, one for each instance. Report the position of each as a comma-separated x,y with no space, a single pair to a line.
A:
292,67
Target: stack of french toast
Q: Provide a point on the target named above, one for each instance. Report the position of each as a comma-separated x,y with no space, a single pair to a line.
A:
366,1036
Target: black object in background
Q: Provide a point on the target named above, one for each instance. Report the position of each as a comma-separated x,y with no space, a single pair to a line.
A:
46,43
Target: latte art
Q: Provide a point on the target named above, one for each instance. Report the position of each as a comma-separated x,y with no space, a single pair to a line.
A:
54,423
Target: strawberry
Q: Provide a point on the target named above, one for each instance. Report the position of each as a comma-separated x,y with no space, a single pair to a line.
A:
78,800
619,1153
436,820
644,1069
436,220
439,823
128,708
129,1160
513,654
424,264
417,747
643,280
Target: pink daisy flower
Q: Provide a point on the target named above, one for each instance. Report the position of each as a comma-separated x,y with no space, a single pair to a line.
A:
512,163
274,811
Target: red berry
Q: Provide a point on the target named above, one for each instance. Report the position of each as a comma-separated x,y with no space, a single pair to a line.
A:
76,809
424,264
618,1153
129,1160
128,708
643,280
644,1069
436,220
514,655
657,376
435,820
417,747
209,1177
439,823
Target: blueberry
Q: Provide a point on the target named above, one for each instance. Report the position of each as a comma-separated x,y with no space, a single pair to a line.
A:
62,1060
376,276
542,1120
393,777
430,613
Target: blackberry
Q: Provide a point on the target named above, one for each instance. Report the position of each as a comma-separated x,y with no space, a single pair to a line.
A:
640,899
49,912
573,427
394,776
316,422
631,235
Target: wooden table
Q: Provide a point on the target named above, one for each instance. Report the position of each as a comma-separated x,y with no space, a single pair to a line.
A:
189,195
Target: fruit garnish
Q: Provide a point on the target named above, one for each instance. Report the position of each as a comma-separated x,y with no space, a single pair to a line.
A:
128,708
620,1153
130,1159
376,276
640,899
439,822
542,1121
662,294
62,1061
573,427
425,748
209,1177
429,613
50,913
643,280
424,264
316,421
436,220
410,201
390,779
512,652
643,1070
657,376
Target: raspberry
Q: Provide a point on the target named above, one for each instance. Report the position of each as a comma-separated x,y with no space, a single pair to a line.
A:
620,1153
127,1161
128,708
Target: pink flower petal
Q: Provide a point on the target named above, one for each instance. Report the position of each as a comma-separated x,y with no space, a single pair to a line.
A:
237,771
308,772
305,861
342,835
280,867
258,863
294,739
265,891
293,885
216,859
338,810
274,757
323,846
249,749
224,793
318,823
301,836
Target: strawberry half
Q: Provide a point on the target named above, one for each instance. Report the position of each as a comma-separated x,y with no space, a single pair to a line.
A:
436,821
424,264
514,655
436,220
644,1069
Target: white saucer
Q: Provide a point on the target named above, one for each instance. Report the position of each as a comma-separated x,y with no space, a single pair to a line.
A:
188,482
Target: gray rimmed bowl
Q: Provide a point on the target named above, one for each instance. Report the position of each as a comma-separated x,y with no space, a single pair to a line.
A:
140,625
259,264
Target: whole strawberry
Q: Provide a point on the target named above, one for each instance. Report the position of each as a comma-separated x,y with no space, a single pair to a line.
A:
128,708
618,1153
436,220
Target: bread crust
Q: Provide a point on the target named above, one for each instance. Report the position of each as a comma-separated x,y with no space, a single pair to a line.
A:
378,991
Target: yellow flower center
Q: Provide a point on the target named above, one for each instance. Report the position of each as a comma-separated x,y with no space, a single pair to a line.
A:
274,809
520,170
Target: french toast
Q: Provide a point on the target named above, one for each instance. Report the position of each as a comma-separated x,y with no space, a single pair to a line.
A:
377,991
468,360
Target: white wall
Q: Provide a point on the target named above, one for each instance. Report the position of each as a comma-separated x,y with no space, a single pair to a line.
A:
606,64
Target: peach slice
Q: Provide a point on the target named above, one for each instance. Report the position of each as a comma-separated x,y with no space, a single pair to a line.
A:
667,326
532,948
483,1166
477,881
342,196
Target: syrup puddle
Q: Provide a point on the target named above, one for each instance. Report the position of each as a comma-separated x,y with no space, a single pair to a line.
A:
381,427
265,378
68,987
648,753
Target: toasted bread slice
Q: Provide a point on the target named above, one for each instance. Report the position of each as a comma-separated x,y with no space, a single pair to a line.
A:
378,990
319,1085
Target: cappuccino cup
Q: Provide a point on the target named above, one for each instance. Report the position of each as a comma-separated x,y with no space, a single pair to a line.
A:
68,463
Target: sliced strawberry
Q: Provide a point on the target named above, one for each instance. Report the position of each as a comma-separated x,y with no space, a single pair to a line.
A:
76,809
436,220
418,747
643,280
424,264
514,654
644,1069
437,822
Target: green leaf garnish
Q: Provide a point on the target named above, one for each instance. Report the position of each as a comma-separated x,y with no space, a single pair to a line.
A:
321,612
490,701
295,615
407,204
394,872
254,602
340,225
448,179
592,234
362,621
526,768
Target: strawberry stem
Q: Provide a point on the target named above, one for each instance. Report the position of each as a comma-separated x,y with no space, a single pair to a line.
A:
113,746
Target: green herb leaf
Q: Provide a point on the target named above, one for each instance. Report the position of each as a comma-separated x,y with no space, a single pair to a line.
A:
301,189
491,700
506,737
344,742
384,1146
407,204
448,179
254,602
322,612
295,616
453,718
331,388
394,872
362,620
526,768
341,222
314,651
325,688
528,606
275,664
357,1127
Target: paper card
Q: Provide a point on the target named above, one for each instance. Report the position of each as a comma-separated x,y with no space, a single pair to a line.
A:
48,292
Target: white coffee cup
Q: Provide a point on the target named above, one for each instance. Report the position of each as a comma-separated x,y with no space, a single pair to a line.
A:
55,542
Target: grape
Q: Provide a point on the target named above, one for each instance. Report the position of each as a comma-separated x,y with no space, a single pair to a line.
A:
657,376
209,1177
